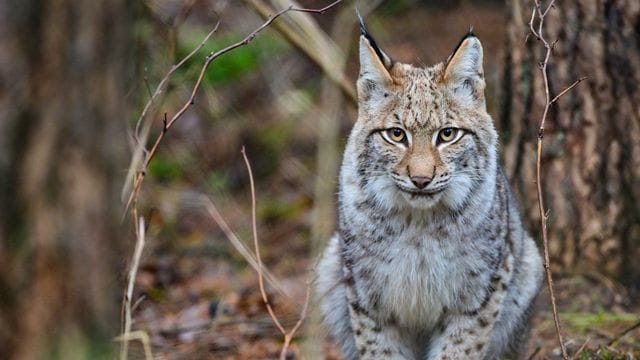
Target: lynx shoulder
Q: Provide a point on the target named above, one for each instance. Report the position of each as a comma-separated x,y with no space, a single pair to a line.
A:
430,260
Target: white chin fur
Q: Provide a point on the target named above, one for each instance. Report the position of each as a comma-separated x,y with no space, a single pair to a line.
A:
385,193
457,192
421,202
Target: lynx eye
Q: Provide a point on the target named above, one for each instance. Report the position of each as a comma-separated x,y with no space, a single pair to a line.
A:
447,135
396,135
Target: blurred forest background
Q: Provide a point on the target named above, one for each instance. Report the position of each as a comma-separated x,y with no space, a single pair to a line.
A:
75,76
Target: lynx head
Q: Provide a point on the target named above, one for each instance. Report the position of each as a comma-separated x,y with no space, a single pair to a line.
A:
423,136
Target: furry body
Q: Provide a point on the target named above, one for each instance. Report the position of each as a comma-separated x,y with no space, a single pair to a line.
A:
430,260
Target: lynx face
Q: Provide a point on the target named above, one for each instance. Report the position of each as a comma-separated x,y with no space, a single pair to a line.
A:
424,135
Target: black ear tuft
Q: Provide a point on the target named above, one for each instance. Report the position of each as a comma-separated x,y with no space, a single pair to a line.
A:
468,35
365,32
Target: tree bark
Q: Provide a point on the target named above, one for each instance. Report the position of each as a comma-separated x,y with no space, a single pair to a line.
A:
591,153
63,72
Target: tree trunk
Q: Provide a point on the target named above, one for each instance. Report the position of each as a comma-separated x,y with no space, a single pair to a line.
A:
591,152
63,66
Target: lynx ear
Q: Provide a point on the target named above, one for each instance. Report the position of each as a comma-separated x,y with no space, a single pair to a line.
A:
374,75
463,72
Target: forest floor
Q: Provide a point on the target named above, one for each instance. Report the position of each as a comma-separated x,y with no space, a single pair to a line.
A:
202,306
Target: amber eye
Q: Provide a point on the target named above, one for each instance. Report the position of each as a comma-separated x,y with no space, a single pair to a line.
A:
396,135
447,134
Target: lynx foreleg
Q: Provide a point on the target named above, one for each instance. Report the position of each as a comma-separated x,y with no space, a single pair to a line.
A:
372,340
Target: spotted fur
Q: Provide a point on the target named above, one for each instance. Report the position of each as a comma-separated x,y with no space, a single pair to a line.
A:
430,260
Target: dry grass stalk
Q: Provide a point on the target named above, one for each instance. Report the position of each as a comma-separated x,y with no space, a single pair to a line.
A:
288,335
239,245
141,336
133,270
539,12
581,348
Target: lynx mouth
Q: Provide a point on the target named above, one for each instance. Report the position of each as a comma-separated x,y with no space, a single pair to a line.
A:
421,194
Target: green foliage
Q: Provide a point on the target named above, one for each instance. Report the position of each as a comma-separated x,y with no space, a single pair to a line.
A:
583,321
272,209
219,180
233,65
165,169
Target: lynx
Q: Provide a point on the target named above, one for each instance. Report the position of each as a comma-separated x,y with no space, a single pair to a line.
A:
430,259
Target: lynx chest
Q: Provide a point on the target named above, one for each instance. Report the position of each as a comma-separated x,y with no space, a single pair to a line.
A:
412,278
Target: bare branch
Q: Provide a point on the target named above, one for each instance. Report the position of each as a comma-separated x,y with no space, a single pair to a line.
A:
141,133
549,7
540,14
568,88
167,77
191,101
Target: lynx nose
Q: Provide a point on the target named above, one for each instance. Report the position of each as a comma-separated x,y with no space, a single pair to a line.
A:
420,181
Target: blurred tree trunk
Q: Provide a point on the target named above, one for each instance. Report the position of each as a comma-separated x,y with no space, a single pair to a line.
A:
591,154
63,69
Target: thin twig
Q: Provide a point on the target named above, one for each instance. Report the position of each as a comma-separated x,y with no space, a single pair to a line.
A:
581,348
534,353
138,302
288,336
167,77
139,179
303,315
254,229
575,83
538,33
623,333
140,136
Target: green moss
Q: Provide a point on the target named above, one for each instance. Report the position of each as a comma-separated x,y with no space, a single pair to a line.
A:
232,65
